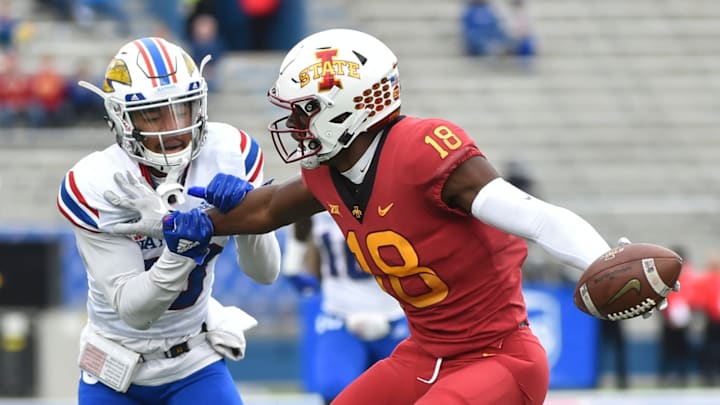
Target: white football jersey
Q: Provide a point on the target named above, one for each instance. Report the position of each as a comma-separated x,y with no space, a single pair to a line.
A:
346,288
80,200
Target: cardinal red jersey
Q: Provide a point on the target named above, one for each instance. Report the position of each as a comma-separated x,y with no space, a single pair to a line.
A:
457,279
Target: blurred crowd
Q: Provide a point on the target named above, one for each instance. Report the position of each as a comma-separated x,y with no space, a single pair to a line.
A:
37,91
44,97
498,29
683,350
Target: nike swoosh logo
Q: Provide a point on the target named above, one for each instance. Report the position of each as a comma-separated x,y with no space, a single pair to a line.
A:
383,211
633,284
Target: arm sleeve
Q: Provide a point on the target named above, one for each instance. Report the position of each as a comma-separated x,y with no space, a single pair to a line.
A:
115,265
259,256
562,233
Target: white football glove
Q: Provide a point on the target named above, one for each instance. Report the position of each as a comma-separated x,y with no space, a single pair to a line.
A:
662,305
141,199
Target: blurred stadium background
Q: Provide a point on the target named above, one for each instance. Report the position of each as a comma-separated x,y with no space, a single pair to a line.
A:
616,118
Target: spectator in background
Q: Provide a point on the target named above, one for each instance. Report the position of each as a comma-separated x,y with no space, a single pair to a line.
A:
86,106
708,291
61,9
676,352
522,39
14,32
254,24
483,31
15,92
87,10
171,15
517,174
8,25
612,347
49,104
358,323
204,40
195,8
261,15
486,32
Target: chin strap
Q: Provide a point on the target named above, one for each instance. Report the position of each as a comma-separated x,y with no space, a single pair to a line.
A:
171,191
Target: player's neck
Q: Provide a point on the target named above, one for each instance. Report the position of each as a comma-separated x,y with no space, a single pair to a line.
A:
348,157
359,170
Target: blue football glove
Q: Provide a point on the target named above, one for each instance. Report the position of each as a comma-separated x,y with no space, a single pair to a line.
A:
225,191
305,284
188,233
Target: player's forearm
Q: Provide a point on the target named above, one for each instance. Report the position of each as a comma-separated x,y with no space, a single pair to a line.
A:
259,256
251,216
142,298
266,209
117,273
562,233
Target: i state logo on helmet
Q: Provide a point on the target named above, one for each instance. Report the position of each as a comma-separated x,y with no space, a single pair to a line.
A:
328,69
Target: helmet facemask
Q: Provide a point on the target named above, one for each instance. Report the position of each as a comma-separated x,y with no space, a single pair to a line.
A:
298,141
162,123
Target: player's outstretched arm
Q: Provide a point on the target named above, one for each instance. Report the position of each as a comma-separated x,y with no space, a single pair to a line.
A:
261,210
477,188
266,209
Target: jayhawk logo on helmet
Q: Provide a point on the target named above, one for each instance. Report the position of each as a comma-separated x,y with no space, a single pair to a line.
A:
117,71
189,63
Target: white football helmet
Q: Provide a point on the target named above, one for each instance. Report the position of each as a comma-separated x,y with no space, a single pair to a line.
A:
147,78
337,83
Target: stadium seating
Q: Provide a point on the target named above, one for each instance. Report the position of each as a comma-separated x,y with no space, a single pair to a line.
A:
616,118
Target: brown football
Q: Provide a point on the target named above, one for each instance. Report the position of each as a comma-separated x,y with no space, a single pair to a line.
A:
627,281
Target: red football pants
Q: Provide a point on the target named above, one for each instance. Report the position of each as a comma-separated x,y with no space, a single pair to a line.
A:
515,371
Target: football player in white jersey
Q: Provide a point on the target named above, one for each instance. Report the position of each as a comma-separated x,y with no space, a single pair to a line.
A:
154,333
357,325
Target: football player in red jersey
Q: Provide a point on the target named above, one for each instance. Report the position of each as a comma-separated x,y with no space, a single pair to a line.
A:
424,212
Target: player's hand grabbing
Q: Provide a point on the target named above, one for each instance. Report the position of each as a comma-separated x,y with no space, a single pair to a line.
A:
224,191
623,241
662,305
188,233
141,199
